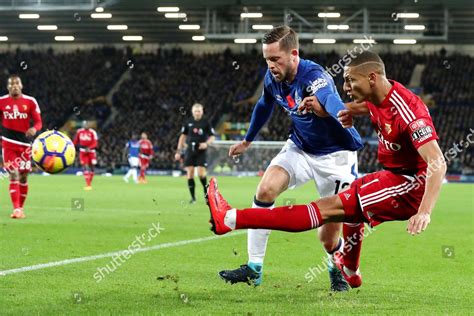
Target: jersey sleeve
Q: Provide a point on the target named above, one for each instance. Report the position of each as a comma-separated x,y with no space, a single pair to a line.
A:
417,122
184,129
36,115
322,86
261,112
210,130
95,138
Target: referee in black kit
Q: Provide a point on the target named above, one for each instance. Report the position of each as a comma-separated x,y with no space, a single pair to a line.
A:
198,134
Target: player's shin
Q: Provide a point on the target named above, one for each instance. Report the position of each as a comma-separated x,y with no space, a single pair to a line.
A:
293,218
353,236
15,193
257,238
23,193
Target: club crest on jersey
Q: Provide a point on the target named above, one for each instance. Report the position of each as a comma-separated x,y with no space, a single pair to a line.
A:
25,107
388,128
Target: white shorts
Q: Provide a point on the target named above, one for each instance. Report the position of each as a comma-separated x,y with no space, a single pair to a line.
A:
134,162
331,173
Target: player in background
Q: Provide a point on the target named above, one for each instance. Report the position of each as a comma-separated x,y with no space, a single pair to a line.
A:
319,149
132,151
146,153
197,133
86,138
17,111
407,188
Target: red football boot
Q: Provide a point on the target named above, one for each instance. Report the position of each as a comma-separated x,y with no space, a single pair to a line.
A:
218,207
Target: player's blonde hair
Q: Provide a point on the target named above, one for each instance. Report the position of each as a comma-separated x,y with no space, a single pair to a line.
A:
197,105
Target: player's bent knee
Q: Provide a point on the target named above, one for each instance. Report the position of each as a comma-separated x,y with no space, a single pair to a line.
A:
331,209
266,193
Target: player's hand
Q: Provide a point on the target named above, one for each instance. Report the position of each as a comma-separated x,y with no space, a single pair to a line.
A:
418,222
239,148
312,104
203,146
177,156
345,118
31,132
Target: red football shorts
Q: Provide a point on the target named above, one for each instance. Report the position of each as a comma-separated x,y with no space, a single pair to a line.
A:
383,196
16,157
87,158
144,162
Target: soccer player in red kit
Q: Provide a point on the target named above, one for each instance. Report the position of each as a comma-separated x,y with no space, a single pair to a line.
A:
17,109
407,188
86,139
146,153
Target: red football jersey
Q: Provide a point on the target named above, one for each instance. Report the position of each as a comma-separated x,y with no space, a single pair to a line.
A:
146,148
16,116
86,138
403,124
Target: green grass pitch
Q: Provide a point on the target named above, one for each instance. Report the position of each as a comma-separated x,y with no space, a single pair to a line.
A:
428,274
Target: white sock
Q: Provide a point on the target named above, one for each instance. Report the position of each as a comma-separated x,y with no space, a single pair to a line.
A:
230,218
129,172
257,241
331,255
134,174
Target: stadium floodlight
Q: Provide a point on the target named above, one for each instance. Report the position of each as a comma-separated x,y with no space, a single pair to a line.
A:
189,26
251,15
262,27
47,27
64,38
404,41
338,27
245,40
414,27
29,16
331,15
199,38
175,15
324,41
117,27
363,41
130,38
101,15
3,38
408,15
99,9
167,9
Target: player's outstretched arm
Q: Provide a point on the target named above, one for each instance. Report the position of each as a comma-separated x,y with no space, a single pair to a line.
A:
431,153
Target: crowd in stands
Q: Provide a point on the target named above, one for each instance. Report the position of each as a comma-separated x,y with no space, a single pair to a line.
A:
159,89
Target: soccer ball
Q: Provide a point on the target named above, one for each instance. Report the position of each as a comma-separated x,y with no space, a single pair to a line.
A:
53,151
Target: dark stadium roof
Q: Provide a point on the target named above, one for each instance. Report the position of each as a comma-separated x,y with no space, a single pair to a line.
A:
220,20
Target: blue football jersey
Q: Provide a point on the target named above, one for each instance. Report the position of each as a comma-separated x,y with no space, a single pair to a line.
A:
133,147
311,133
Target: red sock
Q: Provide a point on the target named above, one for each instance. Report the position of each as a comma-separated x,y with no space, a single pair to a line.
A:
142,173
87,177
293,218
353,236
15,194
91,176
23,193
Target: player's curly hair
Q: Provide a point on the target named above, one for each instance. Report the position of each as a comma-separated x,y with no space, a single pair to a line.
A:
285,35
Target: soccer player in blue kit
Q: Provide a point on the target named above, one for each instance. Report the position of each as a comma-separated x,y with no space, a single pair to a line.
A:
133,149
318,148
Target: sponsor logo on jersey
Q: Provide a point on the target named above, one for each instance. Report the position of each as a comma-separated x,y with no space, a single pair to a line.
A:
15,114
317,84
85,137
388,145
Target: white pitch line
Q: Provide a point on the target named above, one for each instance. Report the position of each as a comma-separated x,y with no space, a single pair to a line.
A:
111,254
